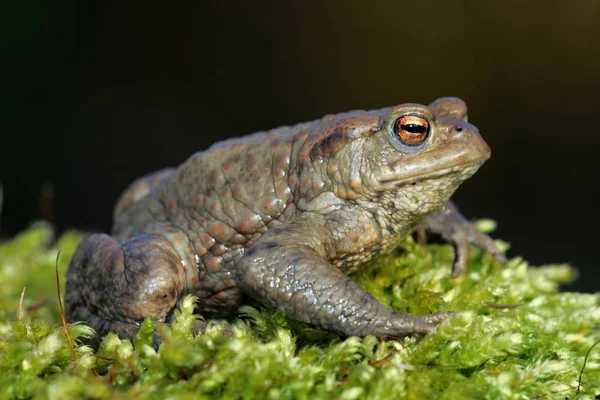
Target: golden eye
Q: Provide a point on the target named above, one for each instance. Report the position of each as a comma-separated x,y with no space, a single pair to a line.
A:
412,130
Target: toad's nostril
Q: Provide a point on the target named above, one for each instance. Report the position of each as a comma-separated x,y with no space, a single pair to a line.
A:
458,128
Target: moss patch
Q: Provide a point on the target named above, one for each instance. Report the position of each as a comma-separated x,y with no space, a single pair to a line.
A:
515,336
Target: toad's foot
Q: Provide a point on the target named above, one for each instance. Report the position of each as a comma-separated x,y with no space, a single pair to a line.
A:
401,324
457,230
125,330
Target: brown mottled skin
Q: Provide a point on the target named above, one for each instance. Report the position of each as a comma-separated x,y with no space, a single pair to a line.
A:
282,217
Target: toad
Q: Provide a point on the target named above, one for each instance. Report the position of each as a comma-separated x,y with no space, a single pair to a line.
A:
280,218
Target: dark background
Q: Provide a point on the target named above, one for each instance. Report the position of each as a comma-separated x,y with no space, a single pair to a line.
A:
94,96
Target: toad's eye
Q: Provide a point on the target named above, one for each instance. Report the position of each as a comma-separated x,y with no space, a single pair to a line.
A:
412,130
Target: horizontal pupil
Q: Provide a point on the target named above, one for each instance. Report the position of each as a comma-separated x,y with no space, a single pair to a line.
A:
413,128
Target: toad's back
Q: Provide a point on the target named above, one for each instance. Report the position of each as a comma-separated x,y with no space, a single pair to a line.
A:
229,192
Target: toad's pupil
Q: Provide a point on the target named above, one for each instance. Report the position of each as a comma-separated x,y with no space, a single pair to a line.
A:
413,128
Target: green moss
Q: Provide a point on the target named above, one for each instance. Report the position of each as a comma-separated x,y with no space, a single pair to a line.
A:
515,336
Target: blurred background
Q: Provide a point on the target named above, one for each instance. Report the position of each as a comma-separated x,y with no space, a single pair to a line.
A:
95,95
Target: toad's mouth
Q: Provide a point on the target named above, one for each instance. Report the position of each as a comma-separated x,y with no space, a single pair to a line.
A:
465,170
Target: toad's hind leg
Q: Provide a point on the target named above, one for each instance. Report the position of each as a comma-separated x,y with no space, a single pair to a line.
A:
113,286
139,189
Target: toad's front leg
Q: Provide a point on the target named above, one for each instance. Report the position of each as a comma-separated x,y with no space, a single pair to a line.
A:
287,269
458,231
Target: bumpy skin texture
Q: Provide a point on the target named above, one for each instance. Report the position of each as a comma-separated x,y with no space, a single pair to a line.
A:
281,217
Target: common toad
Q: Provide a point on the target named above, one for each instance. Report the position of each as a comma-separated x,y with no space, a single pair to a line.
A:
282,217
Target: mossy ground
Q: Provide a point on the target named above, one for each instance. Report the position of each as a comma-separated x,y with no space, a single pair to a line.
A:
517,337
